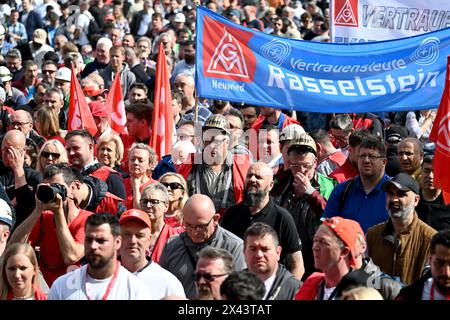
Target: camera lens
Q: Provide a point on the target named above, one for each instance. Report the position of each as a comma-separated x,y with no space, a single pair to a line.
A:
45,193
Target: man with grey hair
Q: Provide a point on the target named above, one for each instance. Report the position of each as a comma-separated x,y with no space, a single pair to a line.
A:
101,57
201,222
400,245
23,121
213,267
54,98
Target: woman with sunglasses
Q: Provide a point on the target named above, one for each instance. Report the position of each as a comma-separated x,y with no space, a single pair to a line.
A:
19,274
52,152
46,123
155,201
178,195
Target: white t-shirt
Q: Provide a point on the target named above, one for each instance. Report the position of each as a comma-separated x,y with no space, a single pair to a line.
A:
327,293
426,293
160,282
72,286
268,284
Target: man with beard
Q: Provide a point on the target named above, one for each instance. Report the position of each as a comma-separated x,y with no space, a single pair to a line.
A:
434,284
400,245
216,172
259,207
102,278
201,223
432,208
186,65
213,267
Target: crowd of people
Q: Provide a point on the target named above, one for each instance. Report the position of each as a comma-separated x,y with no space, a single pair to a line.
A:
252,202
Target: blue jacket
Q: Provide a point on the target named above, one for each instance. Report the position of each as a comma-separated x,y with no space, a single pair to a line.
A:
367,209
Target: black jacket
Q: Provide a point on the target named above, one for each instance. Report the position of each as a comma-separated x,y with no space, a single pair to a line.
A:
285,285
24,195
99,189
413,292
114,181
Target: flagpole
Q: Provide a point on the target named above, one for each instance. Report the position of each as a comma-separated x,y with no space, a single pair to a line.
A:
197,3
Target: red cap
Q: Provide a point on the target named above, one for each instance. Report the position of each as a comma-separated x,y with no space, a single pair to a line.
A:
98,108
136,215
92,92
347,230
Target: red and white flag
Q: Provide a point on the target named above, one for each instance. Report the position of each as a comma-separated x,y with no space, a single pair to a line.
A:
162,123
80,116
440,134
116,105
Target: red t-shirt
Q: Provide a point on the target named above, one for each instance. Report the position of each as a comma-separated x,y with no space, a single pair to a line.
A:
44,234
345,172
129,191
166,232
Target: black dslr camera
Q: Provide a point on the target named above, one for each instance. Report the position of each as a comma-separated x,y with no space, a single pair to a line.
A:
47,193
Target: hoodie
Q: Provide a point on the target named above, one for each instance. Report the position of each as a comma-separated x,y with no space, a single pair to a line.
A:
127,78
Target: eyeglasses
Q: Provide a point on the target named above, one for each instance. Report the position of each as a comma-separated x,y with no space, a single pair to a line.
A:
173,185
185,137
306,166
198,227
46,154
152,202
371,157
18,124
48,71
208,276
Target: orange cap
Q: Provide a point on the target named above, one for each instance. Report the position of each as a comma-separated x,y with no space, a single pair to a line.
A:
136,215
347,230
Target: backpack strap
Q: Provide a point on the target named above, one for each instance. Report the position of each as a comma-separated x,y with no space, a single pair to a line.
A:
343,197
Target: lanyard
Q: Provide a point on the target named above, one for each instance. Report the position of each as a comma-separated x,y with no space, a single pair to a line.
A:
110,285
447,296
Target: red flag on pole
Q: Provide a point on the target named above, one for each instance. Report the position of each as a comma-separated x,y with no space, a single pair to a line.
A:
440,134
116,105
80,116
162,123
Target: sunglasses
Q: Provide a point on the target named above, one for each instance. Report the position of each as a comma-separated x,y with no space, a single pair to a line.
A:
46,154
173,185
208,276
153,202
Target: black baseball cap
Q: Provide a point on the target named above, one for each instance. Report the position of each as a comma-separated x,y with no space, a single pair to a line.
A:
404,182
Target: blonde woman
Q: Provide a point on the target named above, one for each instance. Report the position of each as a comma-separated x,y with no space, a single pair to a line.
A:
141,163
110,152
178,195
46,123
52,152
19,274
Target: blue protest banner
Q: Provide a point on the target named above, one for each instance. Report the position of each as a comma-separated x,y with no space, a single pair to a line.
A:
243,65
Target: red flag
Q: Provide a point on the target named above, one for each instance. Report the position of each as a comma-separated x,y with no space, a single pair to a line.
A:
162,124
80,116
116,105
440,134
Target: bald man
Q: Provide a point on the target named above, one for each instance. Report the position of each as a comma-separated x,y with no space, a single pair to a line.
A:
258,207
23,121
410,156
19,179
202,228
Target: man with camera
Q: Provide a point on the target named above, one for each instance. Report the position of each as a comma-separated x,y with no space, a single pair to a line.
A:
56,224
